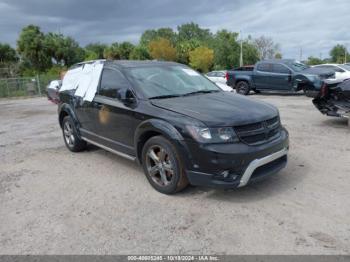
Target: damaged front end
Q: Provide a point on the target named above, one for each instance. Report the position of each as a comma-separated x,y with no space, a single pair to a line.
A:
334,100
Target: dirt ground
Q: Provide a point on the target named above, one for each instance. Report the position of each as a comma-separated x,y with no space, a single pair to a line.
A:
56,202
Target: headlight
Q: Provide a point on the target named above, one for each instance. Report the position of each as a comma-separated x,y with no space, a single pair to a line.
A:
212,135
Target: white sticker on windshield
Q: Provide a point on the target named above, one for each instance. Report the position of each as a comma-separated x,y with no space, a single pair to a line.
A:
190,72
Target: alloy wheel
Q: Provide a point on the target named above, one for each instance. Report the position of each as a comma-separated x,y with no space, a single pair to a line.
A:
68,133
159,165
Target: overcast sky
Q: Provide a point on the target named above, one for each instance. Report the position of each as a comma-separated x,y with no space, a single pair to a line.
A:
314,25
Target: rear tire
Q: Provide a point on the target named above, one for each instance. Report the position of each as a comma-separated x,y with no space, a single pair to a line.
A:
242,88
162,166
70,136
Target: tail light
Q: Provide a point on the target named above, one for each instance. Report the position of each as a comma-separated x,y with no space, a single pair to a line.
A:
226,76
324,90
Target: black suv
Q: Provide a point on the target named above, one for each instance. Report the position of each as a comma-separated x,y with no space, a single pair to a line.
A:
178,125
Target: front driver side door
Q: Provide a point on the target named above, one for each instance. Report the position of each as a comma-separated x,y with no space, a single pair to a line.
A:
281,77
115,122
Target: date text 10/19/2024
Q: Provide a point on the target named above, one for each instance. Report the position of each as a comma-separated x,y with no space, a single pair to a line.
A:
173,258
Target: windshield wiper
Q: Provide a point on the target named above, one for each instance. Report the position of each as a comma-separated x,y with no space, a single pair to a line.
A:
201,92
163,97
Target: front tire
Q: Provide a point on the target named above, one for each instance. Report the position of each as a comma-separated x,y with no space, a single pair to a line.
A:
162,166
70,136
242,88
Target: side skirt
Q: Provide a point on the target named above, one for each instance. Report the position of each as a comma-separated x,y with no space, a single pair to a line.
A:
109,149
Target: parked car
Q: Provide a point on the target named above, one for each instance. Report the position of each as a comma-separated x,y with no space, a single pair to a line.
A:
225,87
334,101
342,72
176,123
278,75
217,76
52,90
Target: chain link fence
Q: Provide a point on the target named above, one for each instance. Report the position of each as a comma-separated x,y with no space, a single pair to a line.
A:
24,86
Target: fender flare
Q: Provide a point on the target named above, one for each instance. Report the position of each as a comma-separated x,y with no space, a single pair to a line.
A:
67,109
148,127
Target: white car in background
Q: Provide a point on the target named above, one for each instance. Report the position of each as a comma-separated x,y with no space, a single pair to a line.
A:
342,71
219,78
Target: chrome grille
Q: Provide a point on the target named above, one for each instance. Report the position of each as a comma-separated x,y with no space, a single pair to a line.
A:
260,132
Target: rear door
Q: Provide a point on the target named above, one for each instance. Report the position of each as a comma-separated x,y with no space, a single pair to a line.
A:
114,121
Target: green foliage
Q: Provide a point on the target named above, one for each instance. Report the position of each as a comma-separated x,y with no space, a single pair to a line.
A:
191,31
7,53
338,54
125,49
39,52
90,55
31,46
314,61
226,49
184,48
250,53
278,55
64,50
140,53
202,58
112,51
150,35
161,49
96,48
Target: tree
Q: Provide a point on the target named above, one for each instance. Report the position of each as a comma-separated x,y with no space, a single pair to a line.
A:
191,31
250,52
112,52
64,50
7,53
266,47
139,53
31,47
226,49
150,35
202,58
96,48
184,48
162,49
125,49
278,55
338,54
314,61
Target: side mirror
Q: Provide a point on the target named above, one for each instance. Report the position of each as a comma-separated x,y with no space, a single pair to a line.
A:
126,96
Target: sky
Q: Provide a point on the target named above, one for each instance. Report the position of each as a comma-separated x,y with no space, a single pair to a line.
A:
314,26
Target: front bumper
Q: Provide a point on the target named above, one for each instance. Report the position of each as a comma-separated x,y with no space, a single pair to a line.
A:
236,165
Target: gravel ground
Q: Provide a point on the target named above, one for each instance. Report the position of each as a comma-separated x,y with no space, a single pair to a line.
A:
56,202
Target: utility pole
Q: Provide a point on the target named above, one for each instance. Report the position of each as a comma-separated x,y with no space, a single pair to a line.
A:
301,54
241,53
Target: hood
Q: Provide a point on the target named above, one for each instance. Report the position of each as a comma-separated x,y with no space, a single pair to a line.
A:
219,109
317,71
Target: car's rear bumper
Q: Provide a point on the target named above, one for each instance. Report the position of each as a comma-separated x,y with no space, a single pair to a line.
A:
238,165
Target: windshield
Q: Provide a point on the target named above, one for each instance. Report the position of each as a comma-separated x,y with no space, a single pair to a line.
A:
169,81
345,67
297,66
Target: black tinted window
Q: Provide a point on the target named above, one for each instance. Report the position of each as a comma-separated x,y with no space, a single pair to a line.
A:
111,81
265,67
281,69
